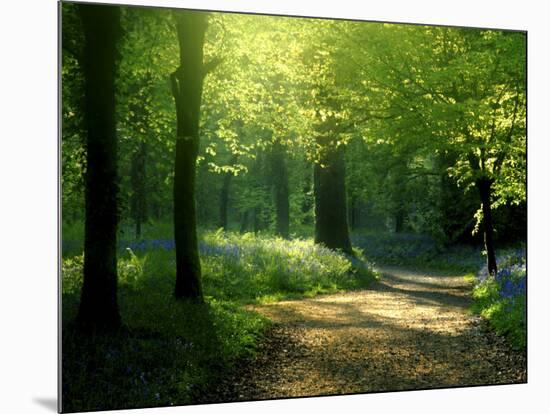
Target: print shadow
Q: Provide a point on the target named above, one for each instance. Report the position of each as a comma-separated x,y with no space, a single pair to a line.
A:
48,403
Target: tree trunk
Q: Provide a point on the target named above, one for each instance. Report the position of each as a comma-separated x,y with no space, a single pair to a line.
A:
258,186
329,182
98,304
279,173
456,208
139,194
187,91
224,200
484,186
244,221
224,195
307,200
353,214
257,222
399,220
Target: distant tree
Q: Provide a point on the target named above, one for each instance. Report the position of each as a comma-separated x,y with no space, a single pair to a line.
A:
279,176
139,193
253,112
224,194
328,139
329,185
73,153
98,305
145,114
457,91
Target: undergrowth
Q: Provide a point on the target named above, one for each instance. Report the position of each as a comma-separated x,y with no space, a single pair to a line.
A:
173,352
417,251
501,298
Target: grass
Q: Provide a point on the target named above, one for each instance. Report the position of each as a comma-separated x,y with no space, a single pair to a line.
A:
501,299
173,352
170,353
417,251
253,268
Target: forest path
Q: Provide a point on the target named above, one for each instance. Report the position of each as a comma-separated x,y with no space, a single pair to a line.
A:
410,330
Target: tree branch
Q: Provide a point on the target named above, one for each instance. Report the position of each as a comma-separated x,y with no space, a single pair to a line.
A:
500,158
72,51
211,65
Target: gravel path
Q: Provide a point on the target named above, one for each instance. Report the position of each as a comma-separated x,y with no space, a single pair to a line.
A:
411,330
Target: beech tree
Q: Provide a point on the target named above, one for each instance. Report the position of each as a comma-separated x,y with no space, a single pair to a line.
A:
329,178
349,123
328,112
279,175
459,92
98,305
187,82
224,195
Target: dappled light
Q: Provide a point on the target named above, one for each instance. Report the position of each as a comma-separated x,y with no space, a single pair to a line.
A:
264,207
380,339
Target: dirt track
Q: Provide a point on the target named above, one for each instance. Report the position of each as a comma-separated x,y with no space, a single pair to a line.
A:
411,330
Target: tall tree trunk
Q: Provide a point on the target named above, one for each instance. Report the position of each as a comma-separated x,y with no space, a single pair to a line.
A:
138,180
244,221
258,185
399,220
187,91
257,222
484,185
224,195
329,182
98,304
353,219
307,200
279,173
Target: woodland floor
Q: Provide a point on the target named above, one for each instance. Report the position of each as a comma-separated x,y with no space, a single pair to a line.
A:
411,330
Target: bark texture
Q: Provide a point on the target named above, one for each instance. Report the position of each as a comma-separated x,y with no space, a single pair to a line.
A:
279,173
98,305
329,182
484,186
187,91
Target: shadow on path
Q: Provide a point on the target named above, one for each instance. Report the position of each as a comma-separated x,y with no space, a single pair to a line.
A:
48,403
411,330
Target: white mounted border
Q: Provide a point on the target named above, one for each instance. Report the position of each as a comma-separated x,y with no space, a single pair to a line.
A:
28,188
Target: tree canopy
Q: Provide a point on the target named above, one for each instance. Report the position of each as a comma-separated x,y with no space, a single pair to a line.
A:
417,118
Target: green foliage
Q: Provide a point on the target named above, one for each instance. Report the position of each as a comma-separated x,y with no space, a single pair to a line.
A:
502,300
443,102
507,316
255,267
130,270
71,271
417,251
423,112
171,352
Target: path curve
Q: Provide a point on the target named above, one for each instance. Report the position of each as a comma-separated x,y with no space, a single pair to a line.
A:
411,330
